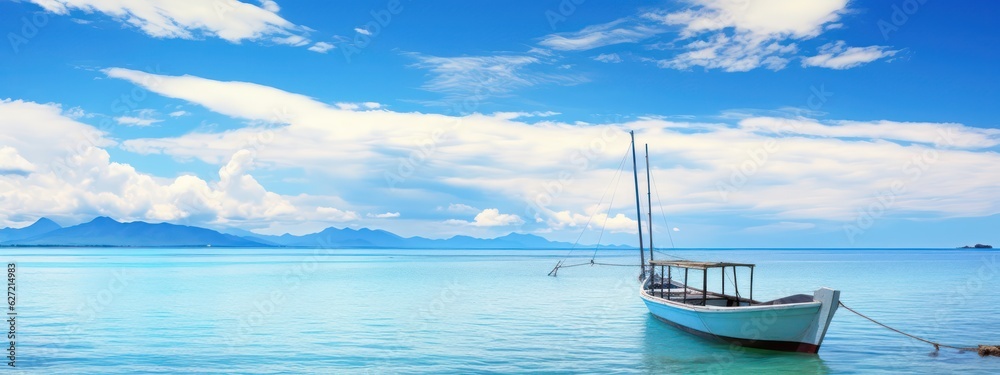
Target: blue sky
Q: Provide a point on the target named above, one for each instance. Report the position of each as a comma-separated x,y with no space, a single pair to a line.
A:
771,123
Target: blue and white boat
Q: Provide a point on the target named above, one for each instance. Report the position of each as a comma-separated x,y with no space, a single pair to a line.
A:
795,323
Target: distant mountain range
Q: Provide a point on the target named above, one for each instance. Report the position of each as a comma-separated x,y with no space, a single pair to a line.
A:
106,232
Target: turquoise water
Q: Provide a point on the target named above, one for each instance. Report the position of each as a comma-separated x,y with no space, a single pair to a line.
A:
405,311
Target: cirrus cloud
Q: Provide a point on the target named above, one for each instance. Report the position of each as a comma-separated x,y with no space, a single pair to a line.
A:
230,20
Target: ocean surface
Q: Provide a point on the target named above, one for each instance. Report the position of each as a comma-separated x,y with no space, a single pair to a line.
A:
110,311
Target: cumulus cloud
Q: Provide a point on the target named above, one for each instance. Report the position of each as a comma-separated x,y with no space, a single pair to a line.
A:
839,56
179,113
356,106
490,217
56,166
782,169
142,117
459,208
336,215
230,20
270,6
11,162
736,35
729,35
619,223
321,47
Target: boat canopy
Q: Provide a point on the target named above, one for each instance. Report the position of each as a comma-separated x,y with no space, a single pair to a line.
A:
698,265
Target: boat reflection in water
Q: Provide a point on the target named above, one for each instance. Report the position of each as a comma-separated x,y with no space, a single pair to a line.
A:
669,350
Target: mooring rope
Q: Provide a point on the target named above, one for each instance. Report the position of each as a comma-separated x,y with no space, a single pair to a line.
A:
590,263
983,350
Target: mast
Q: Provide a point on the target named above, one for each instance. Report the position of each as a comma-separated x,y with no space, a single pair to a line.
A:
638,211
649,204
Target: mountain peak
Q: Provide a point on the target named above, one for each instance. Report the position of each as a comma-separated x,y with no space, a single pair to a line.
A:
40,226
45,223
104,220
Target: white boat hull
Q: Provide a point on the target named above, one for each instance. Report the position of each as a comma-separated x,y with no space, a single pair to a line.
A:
793,327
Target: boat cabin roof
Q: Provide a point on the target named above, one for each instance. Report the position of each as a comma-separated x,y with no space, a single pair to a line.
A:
693,264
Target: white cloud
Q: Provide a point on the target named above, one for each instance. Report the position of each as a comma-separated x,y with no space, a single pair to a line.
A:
356,106
777,18
387,215
58,167
619,223
179,113
839,56
11,162
142,117
490,217
321,47
230,20
362,31
75,113
738,35
543,172
336,215
738,53
477,77
932,134
780,227
270,6
514,115
459,208
615,32
608,58
135,121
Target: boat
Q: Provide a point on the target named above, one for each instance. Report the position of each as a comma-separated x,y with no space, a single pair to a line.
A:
797,323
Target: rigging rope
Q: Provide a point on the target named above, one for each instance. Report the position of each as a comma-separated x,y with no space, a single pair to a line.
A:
617,177
659,202
610,205
983,350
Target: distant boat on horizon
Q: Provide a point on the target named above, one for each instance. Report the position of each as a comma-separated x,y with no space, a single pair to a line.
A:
796,323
